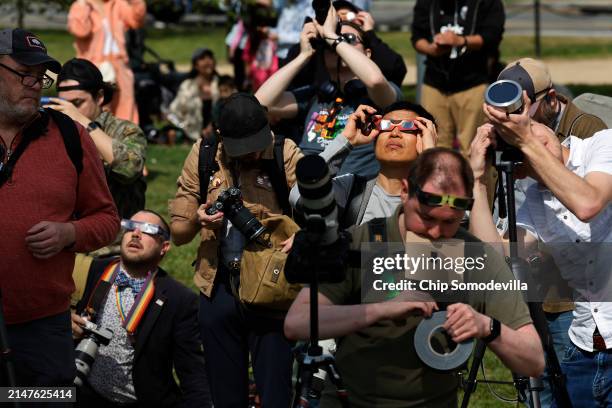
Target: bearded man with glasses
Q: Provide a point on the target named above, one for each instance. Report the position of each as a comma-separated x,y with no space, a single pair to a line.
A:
50,209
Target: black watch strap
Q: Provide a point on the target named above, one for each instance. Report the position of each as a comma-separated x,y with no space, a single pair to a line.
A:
93,125
495,331
337,41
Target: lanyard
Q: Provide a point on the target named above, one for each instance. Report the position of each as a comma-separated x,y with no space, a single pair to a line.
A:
144,297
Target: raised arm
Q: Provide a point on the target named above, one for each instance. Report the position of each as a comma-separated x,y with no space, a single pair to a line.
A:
273,93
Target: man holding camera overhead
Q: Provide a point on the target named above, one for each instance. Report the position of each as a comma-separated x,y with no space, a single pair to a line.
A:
250,158
153,321
375,354
326,107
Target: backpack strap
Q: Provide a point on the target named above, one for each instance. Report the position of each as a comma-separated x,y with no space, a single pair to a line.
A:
206,163
377,229
278,177
35,130
365,199
70,136
353,201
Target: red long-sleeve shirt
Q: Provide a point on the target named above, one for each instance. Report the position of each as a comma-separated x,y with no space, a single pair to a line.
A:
44,186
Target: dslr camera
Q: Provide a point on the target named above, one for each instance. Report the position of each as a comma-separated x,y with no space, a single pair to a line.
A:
506,95
230,203
88,348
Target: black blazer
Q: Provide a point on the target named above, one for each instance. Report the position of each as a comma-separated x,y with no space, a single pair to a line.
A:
167,338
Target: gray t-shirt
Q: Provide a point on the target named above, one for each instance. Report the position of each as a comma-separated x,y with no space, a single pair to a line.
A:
380,205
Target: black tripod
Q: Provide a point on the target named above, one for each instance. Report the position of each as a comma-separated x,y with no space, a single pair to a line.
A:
520,269
313,359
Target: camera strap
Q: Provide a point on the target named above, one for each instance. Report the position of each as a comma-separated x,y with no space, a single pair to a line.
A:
206,164
98,296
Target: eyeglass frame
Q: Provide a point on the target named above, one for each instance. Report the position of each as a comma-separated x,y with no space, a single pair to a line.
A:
23,77
412,129
145,228
446,199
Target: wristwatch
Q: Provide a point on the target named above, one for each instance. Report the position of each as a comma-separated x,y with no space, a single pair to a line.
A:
495,328
93,125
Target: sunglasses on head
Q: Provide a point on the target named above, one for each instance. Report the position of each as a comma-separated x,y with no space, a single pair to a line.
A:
387,125
145,227
435,200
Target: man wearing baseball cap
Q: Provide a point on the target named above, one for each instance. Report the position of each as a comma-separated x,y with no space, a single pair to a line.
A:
547,106
248,157
53,205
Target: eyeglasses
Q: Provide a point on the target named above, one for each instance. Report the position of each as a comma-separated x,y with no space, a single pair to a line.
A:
387,125
149,229
30,80
435,200
351,38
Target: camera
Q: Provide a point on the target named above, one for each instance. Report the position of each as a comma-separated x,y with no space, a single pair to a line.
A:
506,95
321,7
46,100
230,203
321,248
88,348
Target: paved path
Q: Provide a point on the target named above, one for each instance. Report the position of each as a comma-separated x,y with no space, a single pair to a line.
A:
593,71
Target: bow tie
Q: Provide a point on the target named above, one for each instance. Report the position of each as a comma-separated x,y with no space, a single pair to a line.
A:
123,280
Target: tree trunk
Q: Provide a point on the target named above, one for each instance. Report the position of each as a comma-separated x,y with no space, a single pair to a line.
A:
20,6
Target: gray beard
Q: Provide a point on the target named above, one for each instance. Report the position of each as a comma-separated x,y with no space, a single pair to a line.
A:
15,114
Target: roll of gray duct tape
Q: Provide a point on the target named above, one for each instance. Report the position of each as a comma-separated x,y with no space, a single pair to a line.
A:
451,360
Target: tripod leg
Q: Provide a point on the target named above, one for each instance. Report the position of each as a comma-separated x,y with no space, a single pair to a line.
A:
470,386
336,379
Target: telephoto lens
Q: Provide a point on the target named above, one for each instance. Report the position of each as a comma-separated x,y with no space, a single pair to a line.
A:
317,194
88,348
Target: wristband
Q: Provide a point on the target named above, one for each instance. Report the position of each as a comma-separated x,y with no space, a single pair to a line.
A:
495,329
336,41
93,125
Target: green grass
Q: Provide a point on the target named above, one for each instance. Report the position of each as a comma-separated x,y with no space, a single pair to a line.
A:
178,44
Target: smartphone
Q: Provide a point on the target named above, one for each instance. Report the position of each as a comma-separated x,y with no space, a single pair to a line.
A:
46,100
372,121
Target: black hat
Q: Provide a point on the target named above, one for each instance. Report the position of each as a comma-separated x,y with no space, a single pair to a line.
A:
27,49
87,75
244,126
345,4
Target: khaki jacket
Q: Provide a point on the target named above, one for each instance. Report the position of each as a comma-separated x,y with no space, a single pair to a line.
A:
574,122
258,194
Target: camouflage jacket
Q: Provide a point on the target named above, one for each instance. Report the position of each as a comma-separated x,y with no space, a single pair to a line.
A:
124,175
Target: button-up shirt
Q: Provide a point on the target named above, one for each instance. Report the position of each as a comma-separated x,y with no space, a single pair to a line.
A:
578,247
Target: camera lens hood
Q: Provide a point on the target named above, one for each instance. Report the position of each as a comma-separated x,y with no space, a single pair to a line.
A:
505,94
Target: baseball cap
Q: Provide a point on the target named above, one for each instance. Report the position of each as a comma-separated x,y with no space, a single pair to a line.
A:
531,74
87,75
345,4
26,48
243,124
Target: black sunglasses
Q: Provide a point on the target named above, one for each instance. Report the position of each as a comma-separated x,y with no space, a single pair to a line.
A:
351,38
30,80
435,200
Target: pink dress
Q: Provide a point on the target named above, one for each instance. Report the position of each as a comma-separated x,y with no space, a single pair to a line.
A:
101,39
